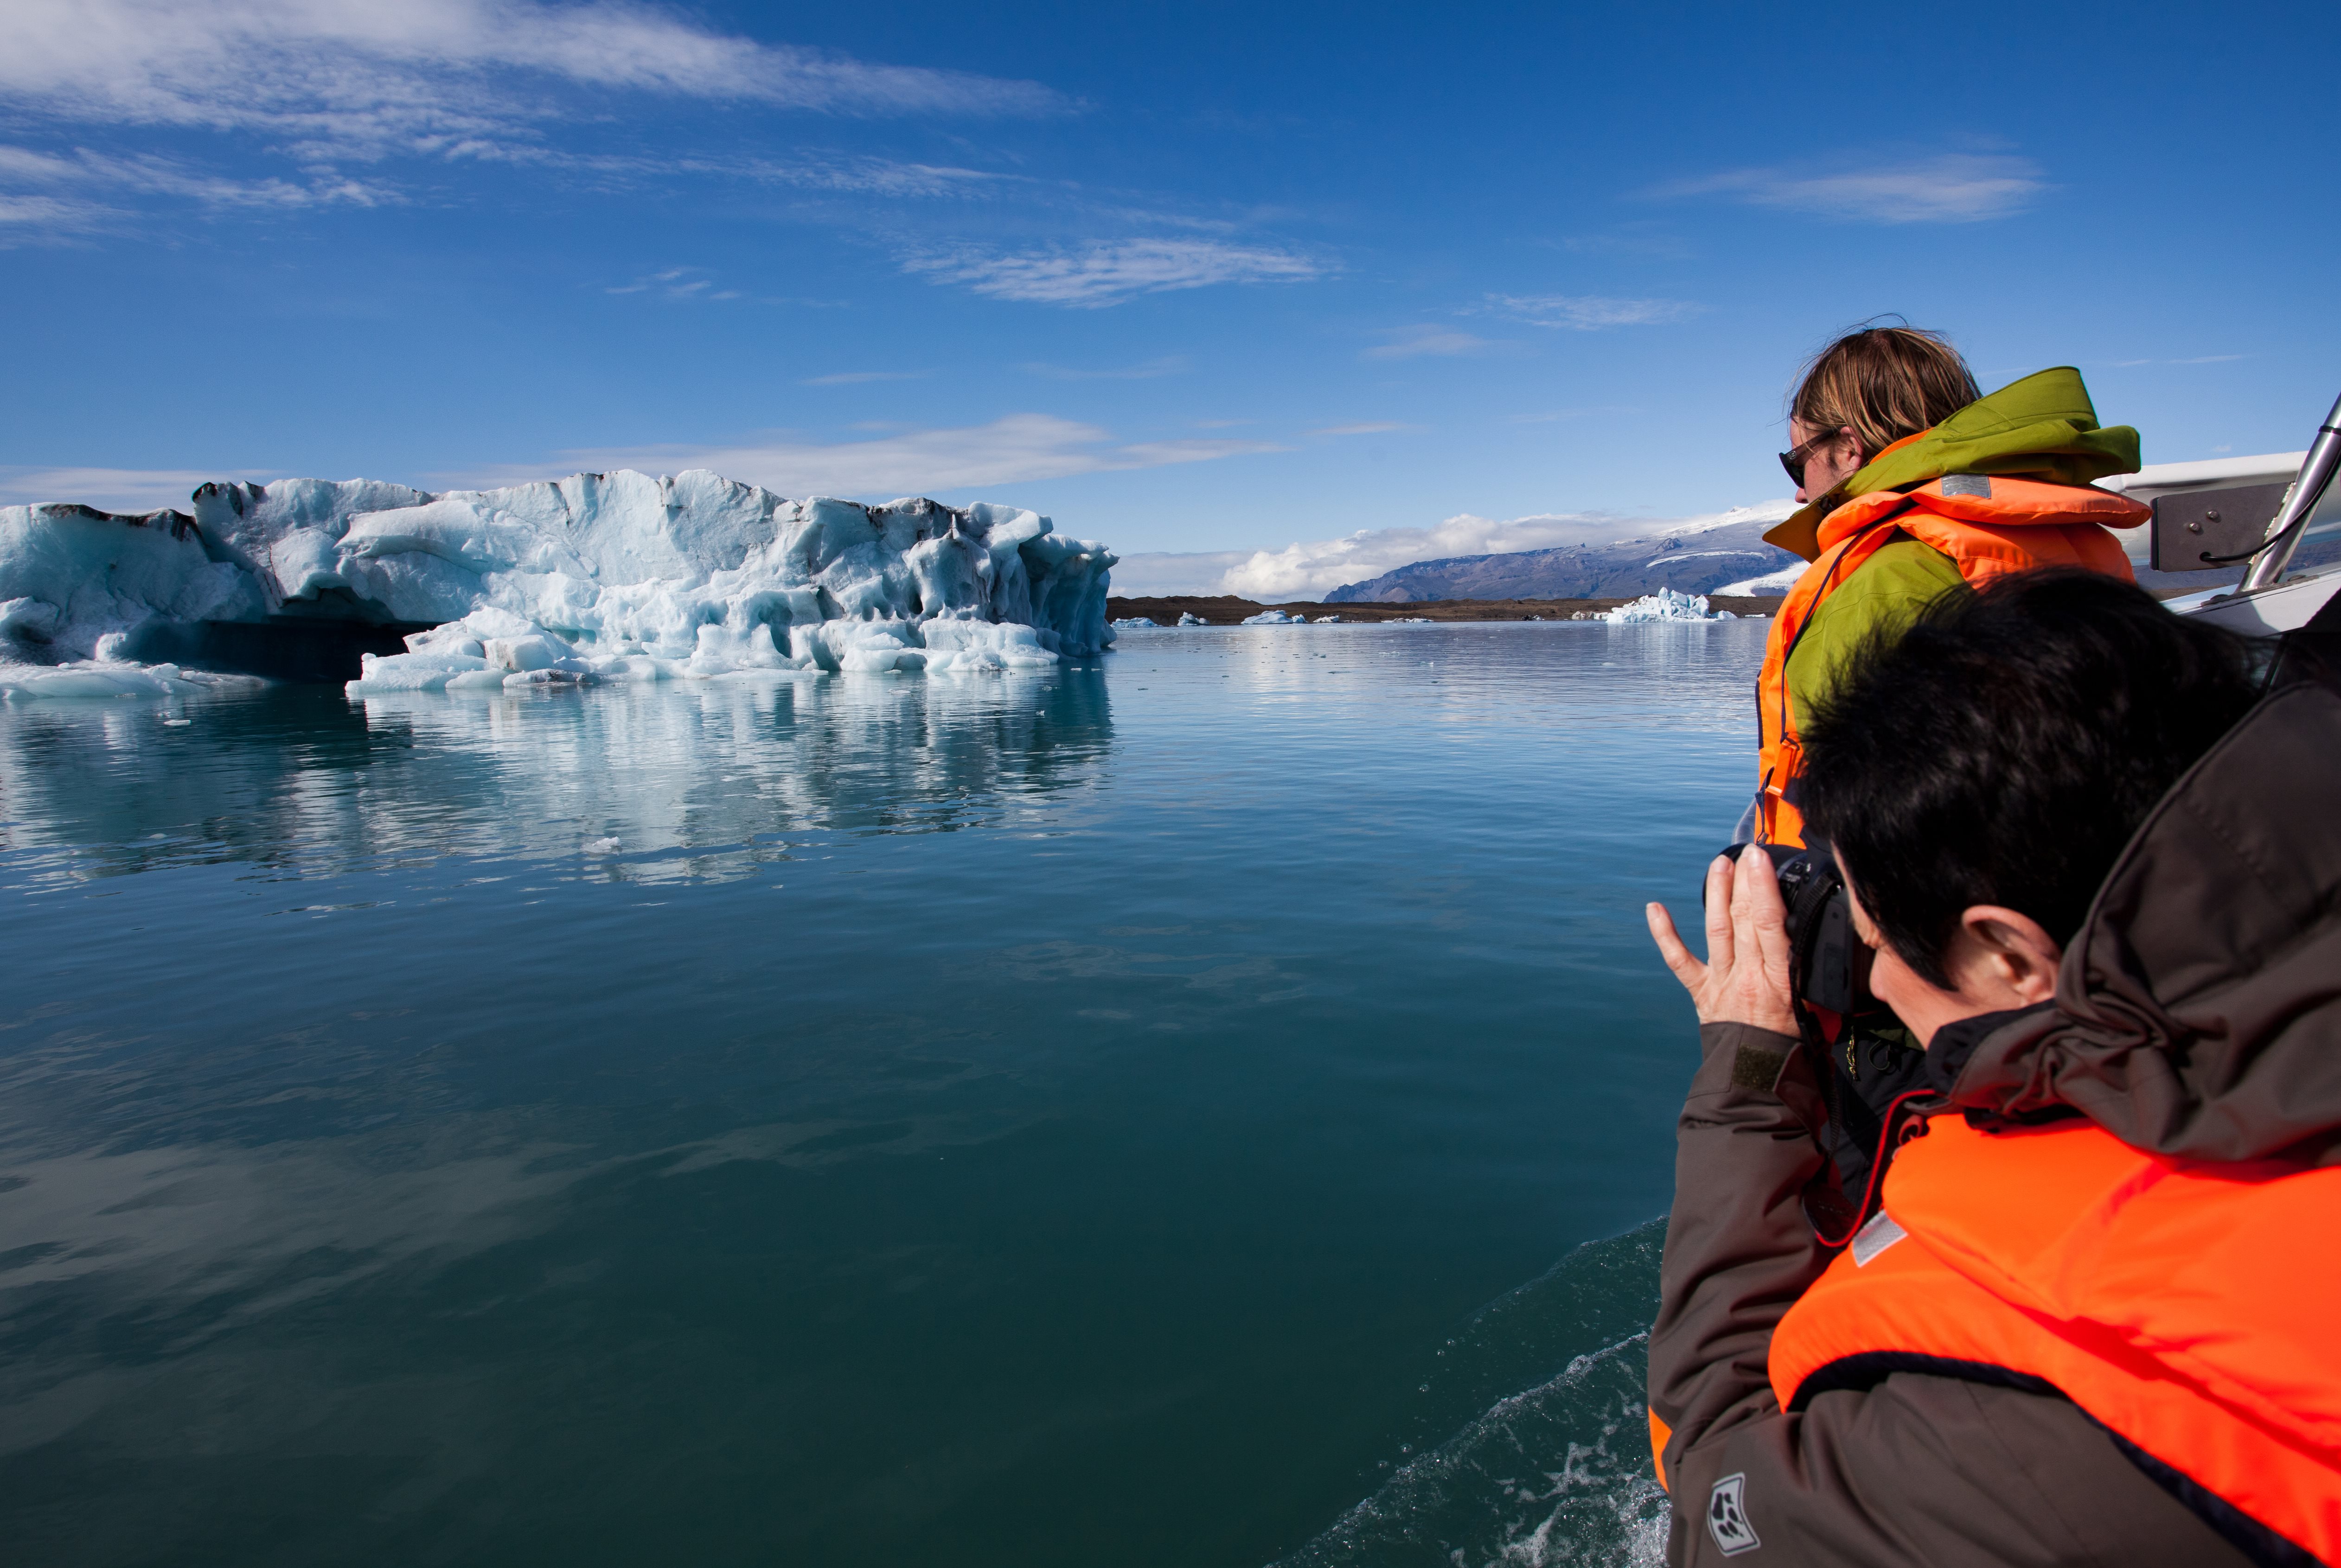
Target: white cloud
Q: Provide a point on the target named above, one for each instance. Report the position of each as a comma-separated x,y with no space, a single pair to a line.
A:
2197,360
88,179
1589,313
1180,573
1014,449
1109,273
872,176
113,488
1421,342
677,283
362,76
50,216
1954,188
1312,569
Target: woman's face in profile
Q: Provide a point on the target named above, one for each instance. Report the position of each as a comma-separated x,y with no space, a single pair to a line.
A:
1827,464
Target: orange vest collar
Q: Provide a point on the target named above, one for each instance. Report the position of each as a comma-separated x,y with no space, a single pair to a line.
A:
1981,541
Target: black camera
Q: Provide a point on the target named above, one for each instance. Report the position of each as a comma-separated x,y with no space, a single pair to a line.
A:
1871,1059
1829,963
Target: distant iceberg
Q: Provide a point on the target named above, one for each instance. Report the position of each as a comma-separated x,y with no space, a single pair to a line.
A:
1666,604
616,576
1273,618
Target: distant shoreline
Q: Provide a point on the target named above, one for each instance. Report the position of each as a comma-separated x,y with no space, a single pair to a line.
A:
1227,610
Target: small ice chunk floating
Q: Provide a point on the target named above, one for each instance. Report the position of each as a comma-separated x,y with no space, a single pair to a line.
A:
596,577
1666,604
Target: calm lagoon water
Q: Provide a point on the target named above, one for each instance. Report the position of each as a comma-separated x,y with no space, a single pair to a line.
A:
1153,1112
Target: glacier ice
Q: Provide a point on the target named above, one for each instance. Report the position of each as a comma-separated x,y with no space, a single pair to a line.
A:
1666,604
1189,618
1132,622
1771,584
1273,618
596,577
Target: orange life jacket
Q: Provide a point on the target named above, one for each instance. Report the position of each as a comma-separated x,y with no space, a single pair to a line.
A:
1987,526
2192,1308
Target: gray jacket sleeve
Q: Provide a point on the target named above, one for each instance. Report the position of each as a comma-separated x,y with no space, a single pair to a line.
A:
1918,1469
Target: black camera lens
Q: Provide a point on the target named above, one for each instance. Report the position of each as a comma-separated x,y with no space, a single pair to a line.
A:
1828,966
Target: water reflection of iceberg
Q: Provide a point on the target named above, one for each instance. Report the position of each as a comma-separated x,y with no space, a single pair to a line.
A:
704,781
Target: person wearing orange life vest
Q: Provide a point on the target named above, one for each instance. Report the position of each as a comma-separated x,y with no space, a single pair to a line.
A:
2090,1316
1913,482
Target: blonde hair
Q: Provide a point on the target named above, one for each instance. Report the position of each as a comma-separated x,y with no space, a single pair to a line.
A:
1885,382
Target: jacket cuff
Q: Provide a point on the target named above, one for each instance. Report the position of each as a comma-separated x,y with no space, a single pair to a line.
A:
1742,1056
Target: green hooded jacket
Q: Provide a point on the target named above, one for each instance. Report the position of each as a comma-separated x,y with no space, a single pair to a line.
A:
2043,427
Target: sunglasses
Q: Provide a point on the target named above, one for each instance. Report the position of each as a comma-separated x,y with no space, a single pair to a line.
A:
1794,460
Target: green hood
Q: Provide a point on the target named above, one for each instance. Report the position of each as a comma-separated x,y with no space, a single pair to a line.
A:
2043,427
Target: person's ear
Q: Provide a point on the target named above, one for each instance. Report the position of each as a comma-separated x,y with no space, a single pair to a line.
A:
2016,953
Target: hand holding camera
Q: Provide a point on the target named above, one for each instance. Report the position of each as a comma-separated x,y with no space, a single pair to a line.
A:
1746,977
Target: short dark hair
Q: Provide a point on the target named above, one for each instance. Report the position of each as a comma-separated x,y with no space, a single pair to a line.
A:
2005,747
1884,382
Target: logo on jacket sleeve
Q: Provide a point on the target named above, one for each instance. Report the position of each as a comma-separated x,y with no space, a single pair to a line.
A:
1727,1517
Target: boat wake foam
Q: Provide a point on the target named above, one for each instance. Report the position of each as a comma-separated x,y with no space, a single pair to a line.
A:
1557,1474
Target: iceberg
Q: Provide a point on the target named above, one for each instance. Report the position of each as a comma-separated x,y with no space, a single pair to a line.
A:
1666,604
1273,618
1189,618
1132,622
616,576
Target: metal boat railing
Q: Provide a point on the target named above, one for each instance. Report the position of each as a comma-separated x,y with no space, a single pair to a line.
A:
2291,520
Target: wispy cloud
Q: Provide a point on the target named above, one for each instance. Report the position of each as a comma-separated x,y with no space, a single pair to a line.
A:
1110,272
677,283
76,190
1168,365
860,176
1589,313
1953,188
113,488
366,78
2197,360
1427,341
855,377
1014,449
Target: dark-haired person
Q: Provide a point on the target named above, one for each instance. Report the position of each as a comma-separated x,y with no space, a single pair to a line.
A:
1914,482
2092,1318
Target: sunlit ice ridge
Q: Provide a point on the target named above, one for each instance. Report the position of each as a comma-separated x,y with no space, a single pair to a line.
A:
619,576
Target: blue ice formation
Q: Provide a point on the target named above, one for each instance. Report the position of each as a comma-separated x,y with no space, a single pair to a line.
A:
610,576
1666,604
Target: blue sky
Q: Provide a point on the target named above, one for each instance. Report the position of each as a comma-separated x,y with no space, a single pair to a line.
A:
1203,278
